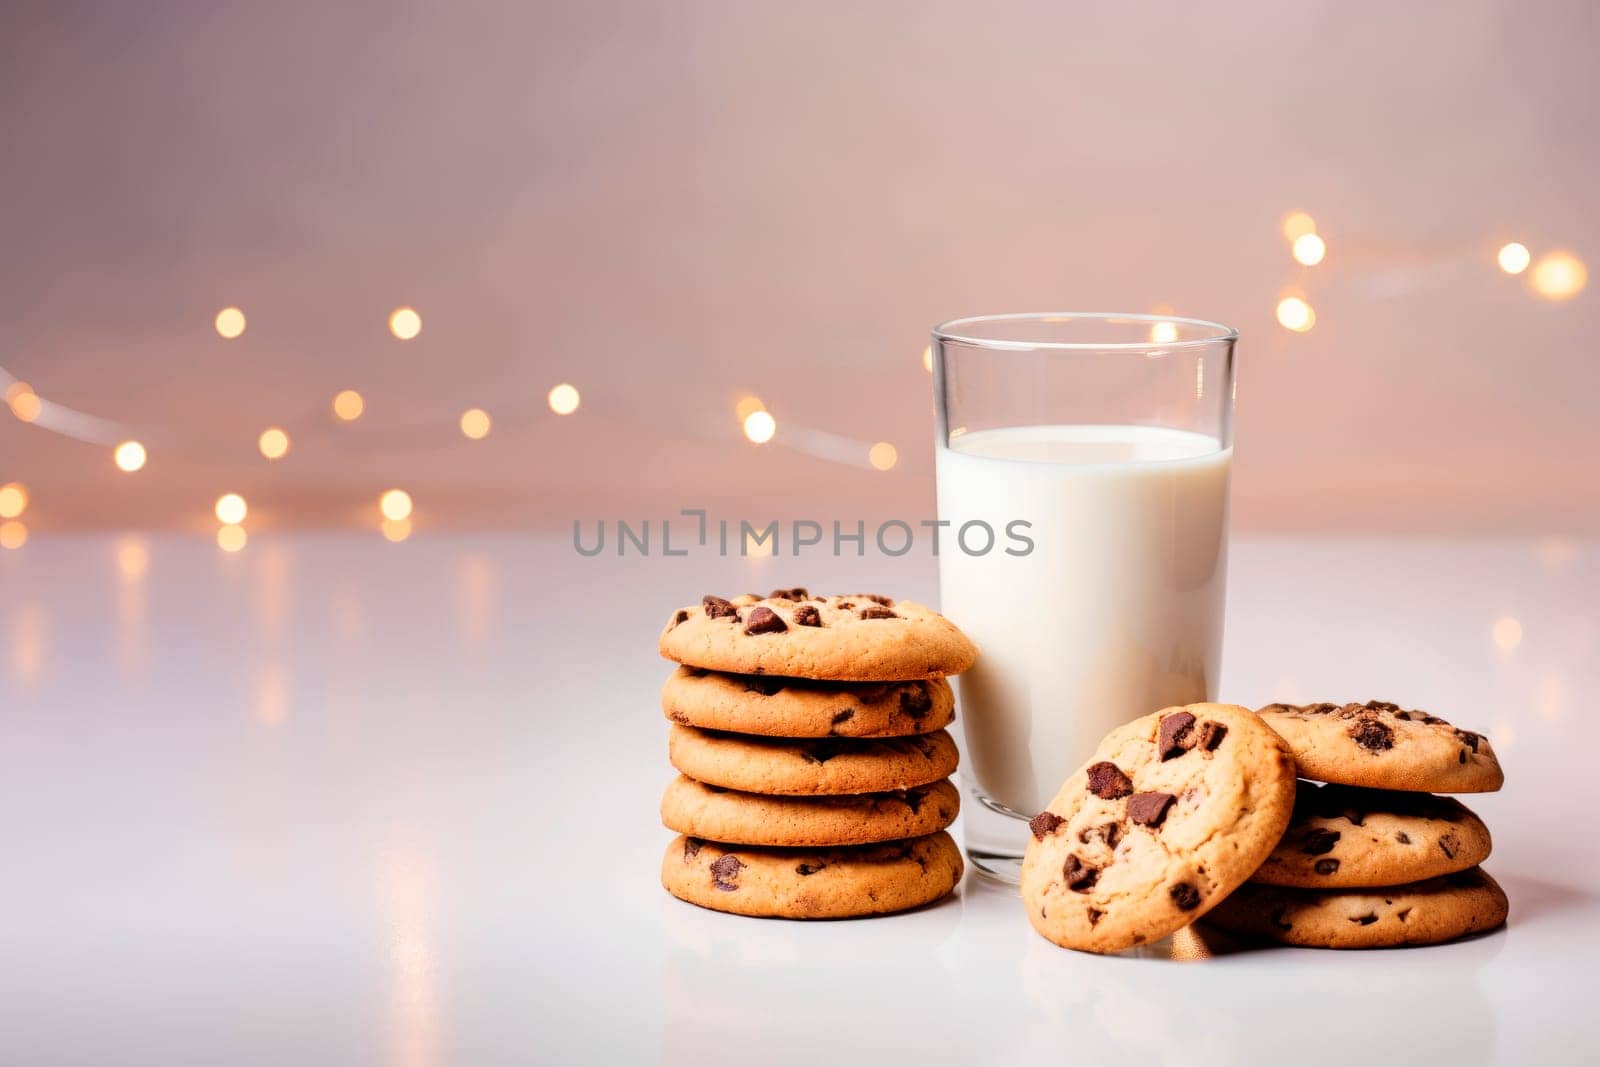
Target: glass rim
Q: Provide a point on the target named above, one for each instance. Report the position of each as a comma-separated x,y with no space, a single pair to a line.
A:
951,330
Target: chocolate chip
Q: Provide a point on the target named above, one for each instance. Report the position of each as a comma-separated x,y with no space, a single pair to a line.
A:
1277,917
1211,735
718,608
915,701
1372,735
1107,781
1450,844
1044,823
1326,866
1175,739
1149,809
843,716
1354,817
1402,837
809,868
678,717
1365,920
806,615
1402,913
691,848
1109,832
797,593
1079,875
1461,757
681,616
820,752
845,605
914,799
887,602
1319,842
1381,705
725,873
1094,916
763,620
1185,896
1468,738
765,686
877,611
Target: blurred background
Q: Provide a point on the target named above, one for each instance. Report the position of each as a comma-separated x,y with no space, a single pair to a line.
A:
527,263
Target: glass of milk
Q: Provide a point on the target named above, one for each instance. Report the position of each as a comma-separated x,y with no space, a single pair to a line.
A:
1096,448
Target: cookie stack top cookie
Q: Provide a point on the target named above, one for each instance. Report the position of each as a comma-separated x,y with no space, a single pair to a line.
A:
1379,745
860,637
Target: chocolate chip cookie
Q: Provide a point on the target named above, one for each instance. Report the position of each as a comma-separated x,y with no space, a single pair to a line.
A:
858,638
834,883
808,766
1384,746
699,810
1171,814
1343,837
791,707
1422,913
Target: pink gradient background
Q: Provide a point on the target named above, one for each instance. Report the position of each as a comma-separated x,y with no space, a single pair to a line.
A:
672,204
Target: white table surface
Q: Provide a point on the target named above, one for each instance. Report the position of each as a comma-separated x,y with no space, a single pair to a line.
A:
333,800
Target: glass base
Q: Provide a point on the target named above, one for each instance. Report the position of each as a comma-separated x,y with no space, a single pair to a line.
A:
995,835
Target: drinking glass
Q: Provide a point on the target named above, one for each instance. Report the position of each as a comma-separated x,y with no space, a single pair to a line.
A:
1083,464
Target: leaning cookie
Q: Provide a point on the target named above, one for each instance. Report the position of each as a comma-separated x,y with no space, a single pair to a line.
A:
1343,837
1171,814
794,707
703,811
836,883
861,637
810,766
1422,913
1380,745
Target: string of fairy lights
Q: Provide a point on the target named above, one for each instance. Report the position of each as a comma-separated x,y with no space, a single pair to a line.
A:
130,455
1556,275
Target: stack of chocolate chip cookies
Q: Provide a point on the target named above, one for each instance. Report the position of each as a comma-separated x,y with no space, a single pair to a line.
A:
814,764
1374,858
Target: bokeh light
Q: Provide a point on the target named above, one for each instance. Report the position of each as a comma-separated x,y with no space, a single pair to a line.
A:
230,322
231,538
396,530
1559,276
273,443
395,504
1164,333
23,401
1295,314
231,509
1297,224
883,456
476,424
13,534
759,426
13,500
405,323
564,399
1507,633
1513,258
1309,249
348,405
746,406
130,456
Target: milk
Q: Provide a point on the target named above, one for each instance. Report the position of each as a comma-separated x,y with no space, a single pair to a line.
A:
1116,612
